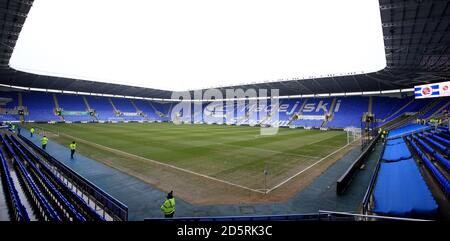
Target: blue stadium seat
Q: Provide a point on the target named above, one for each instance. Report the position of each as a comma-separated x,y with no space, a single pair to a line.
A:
401,191
396,152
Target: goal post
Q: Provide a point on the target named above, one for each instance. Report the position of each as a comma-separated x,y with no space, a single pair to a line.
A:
353,135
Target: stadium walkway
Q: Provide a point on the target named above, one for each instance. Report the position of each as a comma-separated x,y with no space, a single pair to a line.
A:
144,201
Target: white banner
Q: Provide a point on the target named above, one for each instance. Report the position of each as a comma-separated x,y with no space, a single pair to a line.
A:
130,114
432,90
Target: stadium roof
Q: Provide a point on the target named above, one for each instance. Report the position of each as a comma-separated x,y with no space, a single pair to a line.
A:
416,36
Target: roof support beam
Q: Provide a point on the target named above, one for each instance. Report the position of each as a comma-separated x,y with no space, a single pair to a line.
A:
393,6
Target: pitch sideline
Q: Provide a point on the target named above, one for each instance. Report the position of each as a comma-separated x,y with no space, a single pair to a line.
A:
307,168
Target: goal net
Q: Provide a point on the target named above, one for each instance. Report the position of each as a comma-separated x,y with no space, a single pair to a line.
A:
353,135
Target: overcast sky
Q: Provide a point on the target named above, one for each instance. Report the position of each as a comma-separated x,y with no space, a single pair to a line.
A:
193,44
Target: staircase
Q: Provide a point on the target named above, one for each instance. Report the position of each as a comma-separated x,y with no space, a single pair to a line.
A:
113,106
134,105
369,108
55,100
406,119
399,110
19,98
157,112
330,113
137,109
439,111
299,112
88,107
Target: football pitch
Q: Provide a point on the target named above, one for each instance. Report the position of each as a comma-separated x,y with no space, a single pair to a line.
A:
234,156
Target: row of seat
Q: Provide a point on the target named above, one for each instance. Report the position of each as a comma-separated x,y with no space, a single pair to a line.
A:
46,211
435,143
406,130
54,195
442,140
443,182
443,134
396,150
18,211
82,208
444,162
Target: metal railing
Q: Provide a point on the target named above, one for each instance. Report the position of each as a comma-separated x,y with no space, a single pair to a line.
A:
321,215
365,217
366,199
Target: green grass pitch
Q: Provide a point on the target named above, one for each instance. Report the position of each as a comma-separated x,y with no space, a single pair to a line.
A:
236,154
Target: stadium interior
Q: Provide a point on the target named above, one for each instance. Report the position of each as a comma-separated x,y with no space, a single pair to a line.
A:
331,159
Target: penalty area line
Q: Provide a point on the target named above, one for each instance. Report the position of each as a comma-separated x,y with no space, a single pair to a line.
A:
160,163
307,168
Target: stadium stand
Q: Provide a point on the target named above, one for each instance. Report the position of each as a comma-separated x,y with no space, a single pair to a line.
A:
74,109
9,104
126,109
399,188
441,159
441,104
50,195
104,203
437,174
145,107
78,208
42,204
40,106
17,210
349,112
386,107
406,130
312,111
103,109
343,112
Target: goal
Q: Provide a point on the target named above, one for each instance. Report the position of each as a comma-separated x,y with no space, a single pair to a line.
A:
353,135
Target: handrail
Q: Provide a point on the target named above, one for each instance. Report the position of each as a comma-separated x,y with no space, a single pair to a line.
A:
408,133
321,215
371,216
281,217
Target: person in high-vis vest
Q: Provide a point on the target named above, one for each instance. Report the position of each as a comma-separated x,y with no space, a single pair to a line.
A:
168,208
31,131
44,142
73,147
